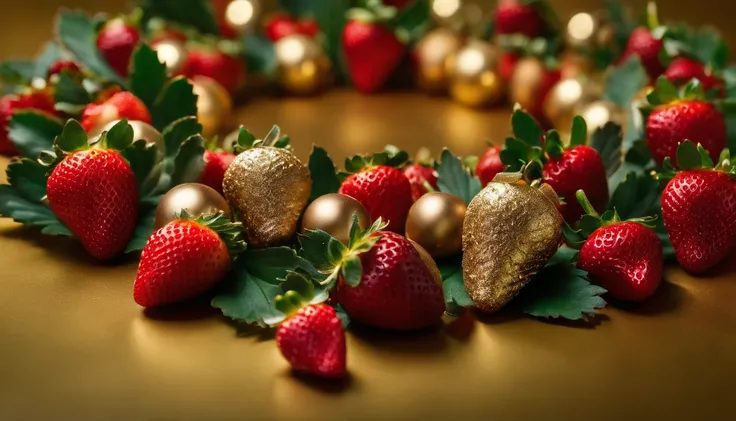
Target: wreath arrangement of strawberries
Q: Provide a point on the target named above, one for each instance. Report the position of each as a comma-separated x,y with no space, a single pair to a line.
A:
552,223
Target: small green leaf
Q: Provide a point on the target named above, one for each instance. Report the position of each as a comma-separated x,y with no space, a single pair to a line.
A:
17,72
69,91
526,128
48,56
315,248
142,158
352,270
77,34
573,238
553,144
456,295
607,141
147,76
625,82
195,13
705,160
563,255
176,101
323,173
579,133
330,16
694,89
259,54
189,162
177,132
454,179
637,196
413,20
32,131
248,295
246,139
297,282
72,137
588,224
688,157
120,135
561,290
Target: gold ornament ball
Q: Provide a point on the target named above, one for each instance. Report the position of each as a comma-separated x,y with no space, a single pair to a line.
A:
564,99
240,15
196,198
598,113
473,75
435,222
303,67
526,82
430,55
141,130
172,53
586,31
333,213
214,104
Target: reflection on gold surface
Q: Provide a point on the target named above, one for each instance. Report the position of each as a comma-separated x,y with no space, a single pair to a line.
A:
445,8
241,14
581,26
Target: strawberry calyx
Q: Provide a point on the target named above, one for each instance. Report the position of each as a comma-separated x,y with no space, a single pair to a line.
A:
694,157
408,24
666,93
73,139
592,220
247,140
299,292
230,232
391,156
531,175
335,260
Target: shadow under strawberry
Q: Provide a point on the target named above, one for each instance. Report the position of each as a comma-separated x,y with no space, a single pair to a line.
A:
325,385
430,340
197,309
668,298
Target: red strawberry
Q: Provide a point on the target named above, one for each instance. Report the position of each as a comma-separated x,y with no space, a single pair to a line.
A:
399,4
625,258
384,191
309,27
185,259
94,193
313,341
396,290
116,41
216,163
120,105
372,52
228,71
517,17
60,65
280,26
682,70
642,43
579,168
681,120
507,64
699,210
489,165
418,175
36,100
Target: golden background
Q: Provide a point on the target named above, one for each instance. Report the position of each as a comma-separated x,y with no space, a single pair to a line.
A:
76,347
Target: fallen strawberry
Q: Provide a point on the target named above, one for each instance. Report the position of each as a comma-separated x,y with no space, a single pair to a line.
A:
117,40
699,207
624,257
118,106
41,101
422,178
186,258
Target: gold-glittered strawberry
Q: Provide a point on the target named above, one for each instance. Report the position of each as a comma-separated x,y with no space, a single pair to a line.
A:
268,187
511,230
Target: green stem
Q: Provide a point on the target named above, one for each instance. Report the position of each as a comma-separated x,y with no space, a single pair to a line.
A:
585,203
652,18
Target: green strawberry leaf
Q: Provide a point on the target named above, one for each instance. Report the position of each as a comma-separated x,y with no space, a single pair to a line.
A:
72,137
637,196
147,76
21,199
579,132
625,82
322,250
564,256
621,22
48,56
69,91
182,146
177,132
189,162
195,13
177,100
17,72
688,157
664,92
77,34
323,173
352,270
526,128
561,290
120,136
708,47
249,293
330,16
142,158
259,54
391,156
456,296
453,178
146,221
342,315
607,141
33,131
413,20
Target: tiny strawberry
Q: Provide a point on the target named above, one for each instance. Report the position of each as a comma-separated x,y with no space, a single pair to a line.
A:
313,341
623,257
118,106
489,165
186,258
419,177
309,27
518,17
643,44
116,41
60,65
216,163
685,117
682,70
699,208
280,26
94,192
36,100
384,191
226,70
372,51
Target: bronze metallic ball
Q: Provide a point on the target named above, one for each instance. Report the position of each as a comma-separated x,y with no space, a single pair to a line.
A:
435,221
196,198
333,213
214,104
303,66
141,130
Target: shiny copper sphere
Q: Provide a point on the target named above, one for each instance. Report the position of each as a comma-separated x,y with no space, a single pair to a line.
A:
565,99
526,82
430,55
196,198
303,67
214,105
333,213
435,222
141,130
473,75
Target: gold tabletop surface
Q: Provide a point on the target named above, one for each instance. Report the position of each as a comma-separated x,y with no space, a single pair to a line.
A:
76,347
